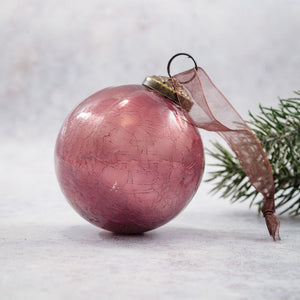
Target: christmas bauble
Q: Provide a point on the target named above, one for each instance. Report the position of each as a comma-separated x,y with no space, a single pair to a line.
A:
128,160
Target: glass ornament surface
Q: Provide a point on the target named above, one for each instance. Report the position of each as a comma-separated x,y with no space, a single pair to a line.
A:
128,160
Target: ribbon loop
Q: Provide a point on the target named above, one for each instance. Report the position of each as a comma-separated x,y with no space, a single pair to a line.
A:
213,112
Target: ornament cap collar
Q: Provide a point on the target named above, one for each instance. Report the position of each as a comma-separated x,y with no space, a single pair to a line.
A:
164,86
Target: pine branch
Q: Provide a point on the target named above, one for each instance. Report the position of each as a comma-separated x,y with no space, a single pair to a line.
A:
278,130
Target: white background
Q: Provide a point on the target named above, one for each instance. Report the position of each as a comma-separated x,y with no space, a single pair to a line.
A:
53,54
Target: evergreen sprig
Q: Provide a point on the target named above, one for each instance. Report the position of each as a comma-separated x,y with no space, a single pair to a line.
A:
278,130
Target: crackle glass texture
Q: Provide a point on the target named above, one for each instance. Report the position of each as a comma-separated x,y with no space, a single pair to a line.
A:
127,159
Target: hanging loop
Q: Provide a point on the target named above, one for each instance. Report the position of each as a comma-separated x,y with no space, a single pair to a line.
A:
178,54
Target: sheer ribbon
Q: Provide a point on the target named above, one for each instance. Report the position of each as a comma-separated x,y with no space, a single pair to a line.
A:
212,111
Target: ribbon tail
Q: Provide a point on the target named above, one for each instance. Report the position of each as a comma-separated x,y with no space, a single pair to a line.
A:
272,221
257,168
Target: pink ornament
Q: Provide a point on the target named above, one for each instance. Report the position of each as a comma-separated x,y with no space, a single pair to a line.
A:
128,160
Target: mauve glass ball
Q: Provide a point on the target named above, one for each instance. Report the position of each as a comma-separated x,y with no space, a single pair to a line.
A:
128,160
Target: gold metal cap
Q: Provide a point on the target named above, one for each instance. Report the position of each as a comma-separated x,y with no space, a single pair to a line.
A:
164,86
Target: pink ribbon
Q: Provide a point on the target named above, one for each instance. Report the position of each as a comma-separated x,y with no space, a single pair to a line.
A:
213,112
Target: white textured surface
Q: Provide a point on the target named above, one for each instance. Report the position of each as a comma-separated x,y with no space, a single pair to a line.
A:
56,53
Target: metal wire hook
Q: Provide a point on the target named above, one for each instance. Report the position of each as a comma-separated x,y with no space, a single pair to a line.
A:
178,54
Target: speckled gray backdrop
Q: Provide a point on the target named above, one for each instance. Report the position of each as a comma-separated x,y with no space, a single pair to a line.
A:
56,53
53,54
